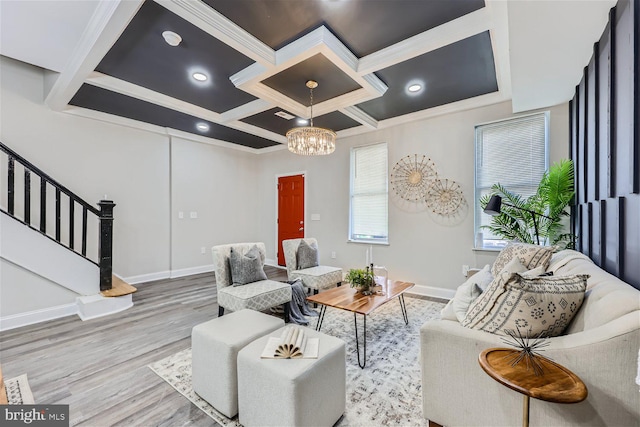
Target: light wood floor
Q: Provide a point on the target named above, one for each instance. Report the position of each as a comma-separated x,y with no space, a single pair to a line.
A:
99,367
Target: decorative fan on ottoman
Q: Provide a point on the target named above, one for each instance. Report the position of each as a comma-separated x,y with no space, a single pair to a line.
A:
411,178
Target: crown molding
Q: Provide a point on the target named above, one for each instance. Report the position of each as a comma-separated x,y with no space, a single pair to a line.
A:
108,21
246,110
360,116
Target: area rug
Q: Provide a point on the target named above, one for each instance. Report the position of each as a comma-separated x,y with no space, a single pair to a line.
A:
18,391
386,392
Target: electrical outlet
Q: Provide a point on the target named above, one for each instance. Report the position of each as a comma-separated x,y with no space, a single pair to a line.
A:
465,270
193,215
203,250
333,255
180,215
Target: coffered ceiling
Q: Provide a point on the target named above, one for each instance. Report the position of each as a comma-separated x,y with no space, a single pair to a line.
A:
257,56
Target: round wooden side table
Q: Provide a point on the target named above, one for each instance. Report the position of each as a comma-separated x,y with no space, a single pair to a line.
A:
557,384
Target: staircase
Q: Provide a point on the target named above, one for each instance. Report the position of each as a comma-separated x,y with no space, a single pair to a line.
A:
50,234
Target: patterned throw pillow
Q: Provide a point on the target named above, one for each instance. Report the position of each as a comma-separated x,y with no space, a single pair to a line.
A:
531,256
469,291
307,255
539,306
483,305
246,268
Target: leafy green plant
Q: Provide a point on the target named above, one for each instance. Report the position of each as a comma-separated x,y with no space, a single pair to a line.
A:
555,192
360,278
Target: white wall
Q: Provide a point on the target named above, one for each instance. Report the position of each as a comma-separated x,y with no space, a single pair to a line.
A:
220,185
23,291
93,158
145,173
420,249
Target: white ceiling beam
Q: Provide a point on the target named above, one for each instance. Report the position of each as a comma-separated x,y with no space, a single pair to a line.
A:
217,25
107,23
442,35
246,110
360,116
125,88
500,45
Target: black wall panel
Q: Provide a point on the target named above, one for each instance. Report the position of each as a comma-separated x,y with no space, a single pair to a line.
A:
605,121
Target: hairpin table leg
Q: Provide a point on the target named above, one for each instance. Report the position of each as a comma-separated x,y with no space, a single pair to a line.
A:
403,307
323,309
355,325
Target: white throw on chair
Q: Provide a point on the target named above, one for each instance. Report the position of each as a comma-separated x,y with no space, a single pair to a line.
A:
316,277
258,294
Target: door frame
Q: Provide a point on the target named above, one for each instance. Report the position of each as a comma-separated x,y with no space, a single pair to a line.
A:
275,196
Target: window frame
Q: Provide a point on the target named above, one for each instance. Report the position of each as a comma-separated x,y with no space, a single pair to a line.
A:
497,244
375,240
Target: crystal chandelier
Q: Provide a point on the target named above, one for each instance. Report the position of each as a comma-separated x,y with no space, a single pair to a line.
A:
310,140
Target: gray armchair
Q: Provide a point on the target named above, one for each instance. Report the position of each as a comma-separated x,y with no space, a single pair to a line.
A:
316,278
259,296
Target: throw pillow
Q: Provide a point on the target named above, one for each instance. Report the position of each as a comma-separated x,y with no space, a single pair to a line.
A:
530,256
483,277
246,268
469,291
447,312
536,307
307,255
483,305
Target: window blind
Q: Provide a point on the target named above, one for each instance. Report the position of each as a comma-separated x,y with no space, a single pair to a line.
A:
369,194
513,153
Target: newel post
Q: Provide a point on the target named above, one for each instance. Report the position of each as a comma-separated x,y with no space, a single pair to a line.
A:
105,249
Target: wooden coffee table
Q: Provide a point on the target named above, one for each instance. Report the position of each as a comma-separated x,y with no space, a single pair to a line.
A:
556,384
346,298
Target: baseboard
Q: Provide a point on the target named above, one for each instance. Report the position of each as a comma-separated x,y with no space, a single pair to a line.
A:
29,318
430,291
192,270
150,277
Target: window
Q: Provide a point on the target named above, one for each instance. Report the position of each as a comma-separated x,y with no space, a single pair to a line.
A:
513,153
369,194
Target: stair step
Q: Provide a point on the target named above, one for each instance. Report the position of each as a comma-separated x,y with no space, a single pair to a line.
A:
118,288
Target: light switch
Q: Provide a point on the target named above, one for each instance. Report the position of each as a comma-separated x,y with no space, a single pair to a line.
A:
315,217
180,215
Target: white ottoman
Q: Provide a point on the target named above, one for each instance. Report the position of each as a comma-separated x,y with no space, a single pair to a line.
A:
292,392
215,345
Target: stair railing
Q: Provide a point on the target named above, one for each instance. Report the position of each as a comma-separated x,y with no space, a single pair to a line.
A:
104,215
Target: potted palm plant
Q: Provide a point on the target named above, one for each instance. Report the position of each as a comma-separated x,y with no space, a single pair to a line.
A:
515,221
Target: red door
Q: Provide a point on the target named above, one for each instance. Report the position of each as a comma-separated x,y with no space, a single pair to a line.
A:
290,210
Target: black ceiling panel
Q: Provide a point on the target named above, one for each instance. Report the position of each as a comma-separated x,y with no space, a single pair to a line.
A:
331,80
141,56
452,73
268,120
124,106
365,26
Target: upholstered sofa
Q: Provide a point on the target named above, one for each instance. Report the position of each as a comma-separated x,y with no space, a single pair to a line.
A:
600,345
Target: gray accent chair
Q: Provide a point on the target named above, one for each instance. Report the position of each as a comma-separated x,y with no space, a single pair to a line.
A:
316,278
259,296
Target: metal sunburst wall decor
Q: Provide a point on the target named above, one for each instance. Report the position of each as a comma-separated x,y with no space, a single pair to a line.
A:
444,197
411,178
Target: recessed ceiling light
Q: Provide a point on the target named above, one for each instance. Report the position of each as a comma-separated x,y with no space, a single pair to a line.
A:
302,121
200,77
202,127
172,39
414,88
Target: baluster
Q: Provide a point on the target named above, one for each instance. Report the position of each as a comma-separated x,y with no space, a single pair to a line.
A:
10,189
58,214
84,230
71,215
27,196
43,205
